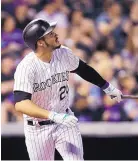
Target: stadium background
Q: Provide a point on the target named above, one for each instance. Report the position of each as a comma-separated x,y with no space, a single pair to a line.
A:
103,33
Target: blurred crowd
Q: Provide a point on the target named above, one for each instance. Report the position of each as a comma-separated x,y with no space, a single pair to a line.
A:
103,33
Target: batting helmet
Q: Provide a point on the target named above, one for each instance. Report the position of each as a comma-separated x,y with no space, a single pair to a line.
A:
35,30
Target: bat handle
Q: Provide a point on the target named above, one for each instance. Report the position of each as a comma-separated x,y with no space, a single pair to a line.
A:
126,97
129,97
114,97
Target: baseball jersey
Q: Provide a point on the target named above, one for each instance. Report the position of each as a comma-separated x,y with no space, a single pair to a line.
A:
47,82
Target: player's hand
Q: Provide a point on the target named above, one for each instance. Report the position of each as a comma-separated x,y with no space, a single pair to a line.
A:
113,92
64,119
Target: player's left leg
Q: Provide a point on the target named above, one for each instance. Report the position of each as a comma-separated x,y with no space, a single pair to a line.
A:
69,143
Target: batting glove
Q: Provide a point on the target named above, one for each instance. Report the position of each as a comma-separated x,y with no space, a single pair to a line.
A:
64,119
113,92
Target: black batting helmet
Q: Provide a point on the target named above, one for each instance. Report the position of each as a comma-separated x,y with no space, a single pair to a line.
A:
35,30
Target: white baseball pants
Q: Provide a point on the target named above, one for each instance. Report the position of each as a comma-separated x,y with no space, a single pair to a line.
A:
41,142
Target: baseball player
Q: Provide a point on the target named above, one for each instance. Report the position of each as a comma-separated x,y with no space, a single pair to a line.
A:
41,93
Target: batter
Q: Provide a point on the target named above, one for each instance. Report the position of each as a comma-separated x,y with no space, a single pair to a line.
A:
41,93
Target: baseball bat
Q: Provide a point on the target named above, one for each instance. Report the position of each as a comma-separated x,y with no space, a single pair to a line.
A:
127,97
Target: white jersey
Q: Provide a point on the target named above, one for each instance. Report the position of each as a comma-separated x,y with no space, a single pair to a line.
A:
47,82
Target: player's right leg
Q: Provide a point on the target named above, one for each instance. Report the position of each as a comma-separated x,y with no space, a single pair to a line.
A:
39,142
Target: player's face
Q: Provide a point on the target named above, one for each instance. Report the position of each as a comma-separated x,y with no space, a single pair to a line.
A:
52,40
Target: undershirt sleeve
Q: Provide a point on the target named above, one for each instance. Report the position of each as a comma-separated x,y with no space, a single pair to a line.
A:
21,95
90,74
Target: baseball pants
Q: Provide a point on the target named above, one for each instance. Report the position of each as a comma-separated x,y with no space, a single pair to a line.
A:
41,142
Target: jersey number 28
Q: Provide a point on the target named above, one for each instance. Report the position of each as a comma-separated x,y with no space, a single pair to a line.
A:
64,90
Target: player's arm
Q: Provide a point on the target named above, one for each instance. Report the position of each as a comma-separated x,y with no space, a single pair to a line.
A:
23,89
24,105
92,76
